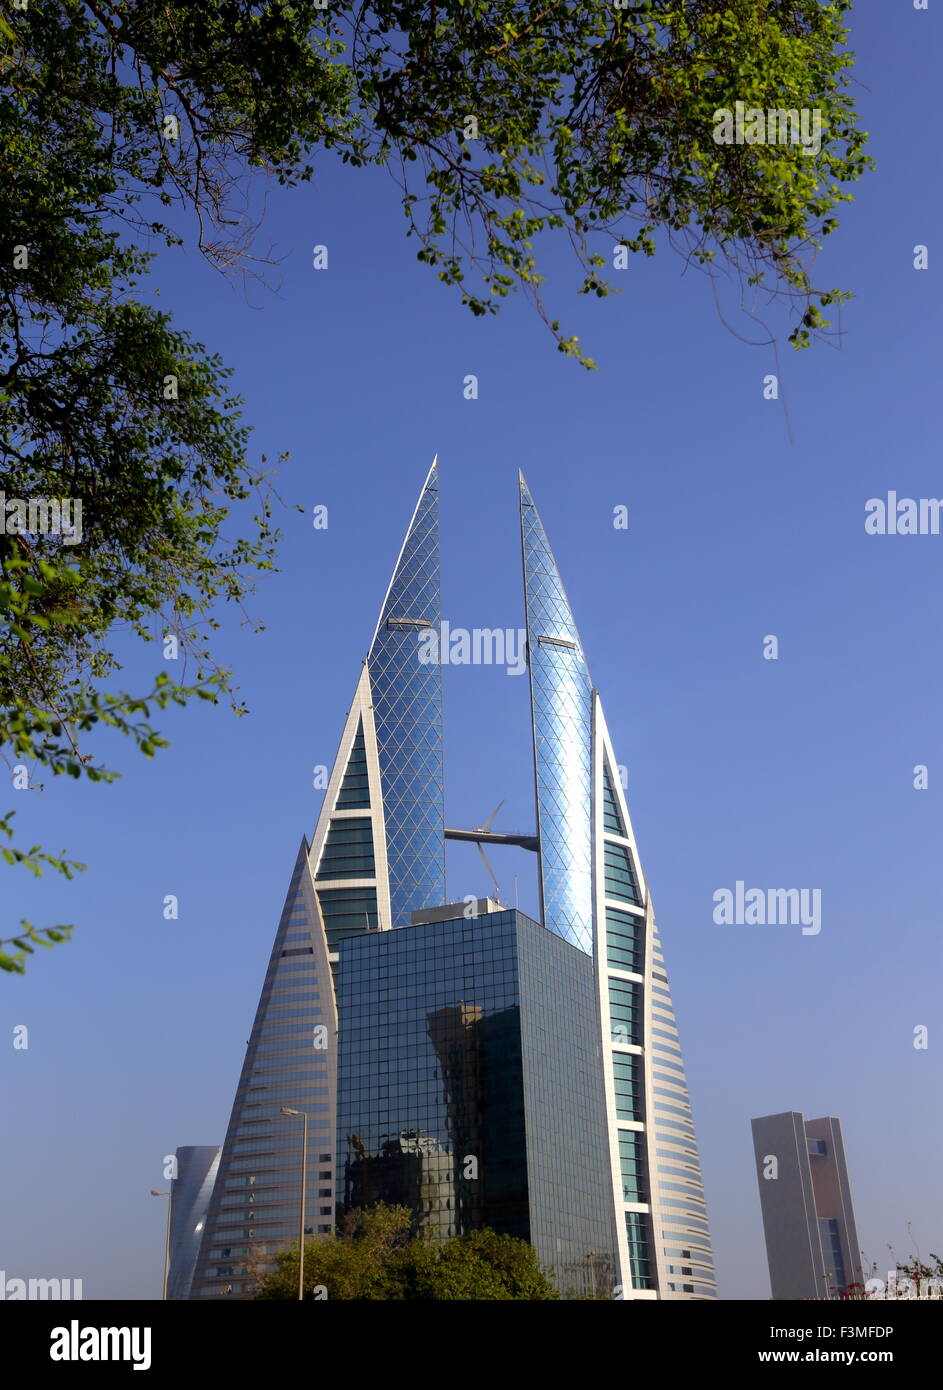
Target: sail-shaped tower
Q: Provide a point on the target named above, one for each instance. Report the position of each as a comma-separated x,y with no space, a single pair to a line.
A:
375,863
376,856
593,893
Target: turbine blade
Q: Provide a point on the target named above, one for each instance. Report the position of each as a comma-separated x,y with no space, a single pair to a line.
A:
487,863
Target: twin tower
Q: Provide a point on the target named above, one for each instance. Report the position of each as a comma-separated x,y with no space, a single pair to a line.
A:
487,1070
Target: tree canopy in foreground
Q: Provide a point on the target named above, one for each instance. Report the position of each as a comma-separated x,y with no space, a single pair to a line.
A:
129,123
374,1257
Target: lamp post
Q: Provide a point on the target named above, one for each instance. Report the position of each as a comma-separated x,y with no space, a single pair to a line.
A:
304,1181
170,1206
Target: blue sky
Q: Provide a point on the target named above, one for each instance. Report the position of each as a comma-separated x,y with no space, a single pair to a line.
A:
788,773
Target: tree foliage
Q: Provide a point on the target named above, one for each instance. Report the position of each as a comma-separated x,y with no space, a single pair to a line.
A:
375,1257
919,1278
597,119
592,118
106,403
125,123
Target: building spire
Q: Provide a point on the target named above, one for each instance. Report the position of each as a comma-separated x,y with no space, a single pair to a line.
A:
414,587
406,694
561,706
547,603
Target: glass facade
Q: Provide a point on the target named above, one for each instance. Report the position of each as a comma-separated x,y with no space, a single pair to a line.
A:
832,1252
625,1011
470,1087
611,815
632,1163
348,850
290,1061
561,701
407,712
355,788
347,911
620,880
625,941
628,1083
190,1190
640,1262
493,1072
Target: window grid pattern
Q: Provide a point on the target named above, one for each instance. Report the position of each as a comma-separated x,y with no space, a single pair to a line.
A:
832,1252
407,711
255,1204
673,1123
611,815
348,849
347,912
640,1258
632,1165
625,940
355,788
629,1086
450,1050
619,872
648,1176
625,1011
561,699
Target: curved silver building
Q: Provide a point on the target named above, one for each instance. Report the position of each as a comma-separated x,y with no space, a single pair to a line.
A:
594,894
376,862
190,1194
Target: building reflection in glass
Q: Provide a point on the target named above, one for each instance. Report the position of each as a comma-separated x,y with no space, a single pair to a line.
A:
468,1087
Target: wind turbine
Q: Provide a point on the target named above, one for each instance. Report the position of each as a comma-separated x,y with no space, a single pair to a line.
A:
483,834
483,829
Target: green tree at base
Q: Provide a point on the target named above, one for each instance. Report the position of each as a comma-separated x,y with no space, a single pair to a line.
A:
374,1257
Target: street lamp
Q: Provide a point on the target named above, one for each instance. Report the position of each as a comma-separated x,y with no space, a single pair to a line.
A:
170,1206
304,1180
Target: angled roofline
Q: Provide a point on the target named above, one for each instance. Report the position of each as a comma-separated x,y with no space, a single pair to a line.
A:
406,536
525,487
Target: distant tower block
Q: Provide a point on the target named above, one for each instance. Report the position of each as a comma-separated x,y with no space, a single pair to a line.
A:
808,1219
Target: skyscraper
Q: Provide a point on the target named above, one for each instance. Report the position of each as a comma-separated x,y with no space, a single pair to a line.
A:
377,854
594,894
805,1195
190,1194
289,1063
470,1088
377,862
